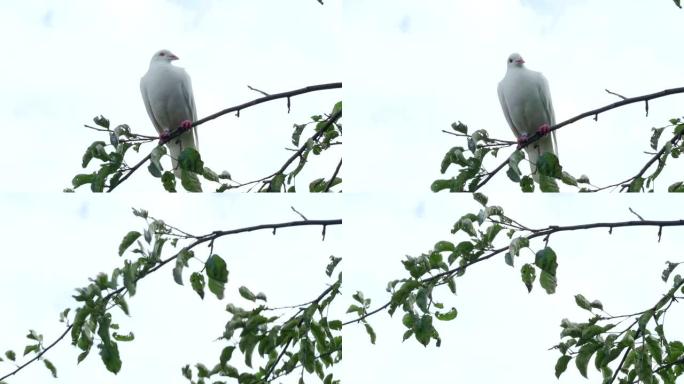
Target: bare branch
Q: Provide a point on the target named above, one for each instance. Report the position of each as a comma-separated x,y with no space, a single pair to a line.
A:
256,90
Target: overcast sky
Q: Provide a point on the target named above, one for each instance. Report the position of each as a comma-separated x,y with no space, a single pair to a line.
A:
65,62
415,69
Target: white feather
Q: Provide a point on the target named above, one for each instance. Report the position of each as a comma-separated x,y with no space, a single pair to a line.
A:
526,102
167,94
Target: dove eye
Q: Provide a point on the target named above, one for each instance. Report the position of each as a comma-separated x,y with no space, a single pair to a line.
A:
510,60
161,54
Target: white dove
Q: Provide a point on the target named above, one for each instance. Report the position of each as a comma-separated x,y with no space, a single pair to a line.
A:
167,93
526,102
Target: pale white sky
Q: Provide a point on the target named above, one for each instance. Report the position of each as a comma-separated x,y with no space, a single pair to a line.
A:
413,69
502,334
54,243
68,61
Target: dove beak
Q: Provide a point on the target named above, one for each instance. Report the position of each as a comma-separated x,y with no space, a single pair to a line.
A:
173,57
520,61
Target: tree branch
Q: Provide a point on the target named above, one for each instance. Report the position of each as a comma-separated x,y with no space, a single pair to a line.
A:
199,240
594,113
537,233
332,179
178,131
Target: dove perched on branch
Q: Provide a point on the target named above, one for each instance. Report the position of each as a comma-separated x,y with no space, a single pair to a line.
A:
167,93
526,102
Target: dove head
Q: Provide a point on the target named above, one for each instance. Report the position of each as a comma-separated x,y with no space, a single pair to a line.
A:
515,60
163,56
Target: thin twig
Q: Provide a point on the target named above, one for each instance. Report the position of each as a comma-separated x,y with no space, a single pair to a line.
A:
637,215
256,90
616,94
299,213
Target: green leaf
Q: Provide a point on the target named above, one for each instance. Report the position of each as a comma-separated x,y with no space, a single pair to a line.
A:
331,266
370,332
513,167
442,246
81,179
306,355
155,166
109,351
190,181
545,259
190,160
527,184
548,184
447,316
517,244
197,282
655,136
480,198
597,304
654,348
636,185
169,181
422,299
31,348
454,156
582,302
548,282
548,165
676,187
335,325
226,354
568,179
276,183
210,175
127,337
424,329
216,269
126,242
181,261
562,365
101,121
246,293
297,133
643,366
51,367
583,357
460,127
644,319
528,274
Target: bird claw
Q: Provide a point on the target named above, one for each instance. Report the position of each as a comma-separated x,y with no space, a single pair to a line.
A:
165,135
186,124
544,129
522,140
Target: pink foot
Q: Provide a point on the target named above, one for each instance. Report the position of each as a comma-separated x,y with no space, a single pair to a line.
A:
522,140
186,124
544,129
164,136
